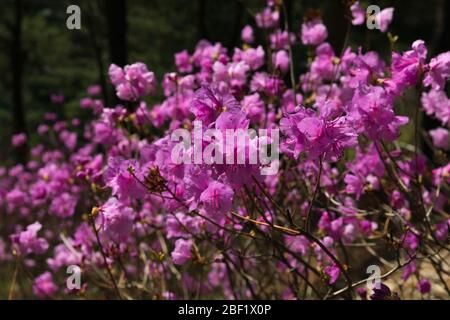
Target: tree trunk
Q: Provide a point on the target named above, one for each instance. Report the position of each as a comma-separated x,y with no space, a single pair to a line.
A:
202,29
116,15
98,52
236,33
334,18
116,12
19,124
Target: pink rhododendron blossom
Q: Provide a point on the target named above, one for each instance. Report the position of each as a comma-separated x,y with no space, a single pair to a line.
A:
372,113
384,18
19,139
63,205
133,81
182,252
247,176
424,286
441,138
28,241
183,61
120,176
438,72
281,61
44,286
116,220
254,57
406,67
57,98
437,104
268,18
217,198
247,34
280,40
315,136
94,90
358,14
208,104
313,32
333,273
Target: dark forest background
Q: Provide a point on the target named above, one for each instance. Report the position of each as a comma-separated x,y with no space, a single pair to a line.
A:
39,56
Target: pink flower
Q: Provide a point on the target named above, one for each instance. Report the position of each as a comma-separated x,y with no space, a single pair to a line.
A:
281,61
313,32
104,133
115,220
247,34
86,103
57,98
50,116
267,18
253,106
69,139
405,67
440,137
315,136
42,129
19,139
133,81
424,286
182,251
322,67
298,244
354,185
253,57
358,14
217,198
121,175
281,39
381,293
183,61
43,285
63,205
63,256
442,230
332,272
142,113
411,241
270,85
94,90
409,269
116,74
371,113
233,118
27,241
181,225
234,73
438,72
362,293
441,173
384,18
436,103
208,103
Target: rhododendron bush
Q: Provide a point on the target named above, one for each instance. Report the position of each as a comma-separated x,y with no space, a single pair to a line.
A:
346,195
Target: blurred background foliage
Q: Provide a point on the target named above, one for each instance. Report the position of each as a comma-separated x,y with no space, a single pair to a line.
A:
55,60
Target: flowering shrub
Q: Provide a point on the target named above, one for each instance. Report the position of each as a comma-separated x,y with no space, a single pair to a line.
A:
348,193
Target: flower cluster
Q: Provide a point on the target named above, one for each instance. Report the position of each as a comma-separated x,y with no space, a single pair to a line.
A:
108,197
